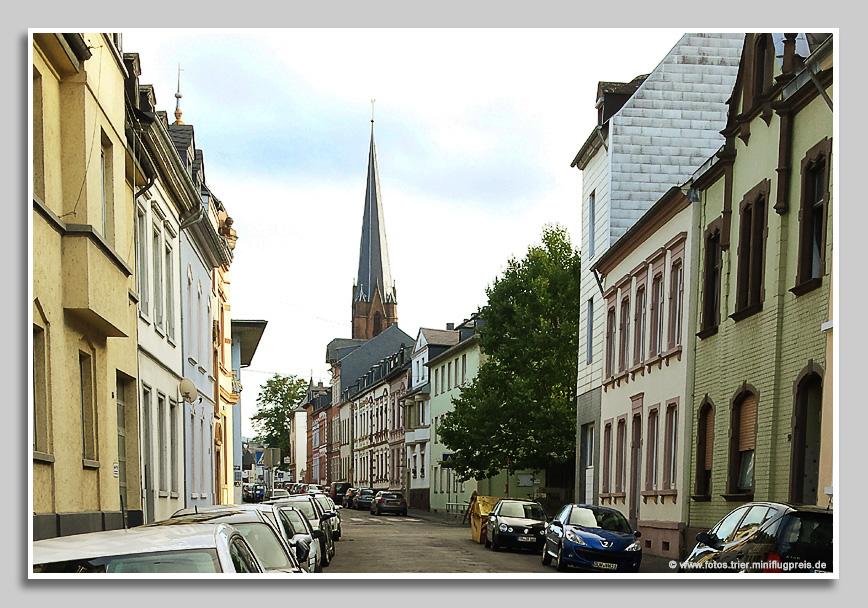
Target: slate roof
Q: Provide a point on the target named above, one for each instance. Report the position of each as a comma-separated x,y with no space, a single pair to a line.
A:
439,337
357,363
338,348
375,273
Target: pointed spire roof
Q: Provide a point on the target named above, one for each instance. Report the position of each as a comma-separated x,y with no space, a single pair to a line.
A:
375,273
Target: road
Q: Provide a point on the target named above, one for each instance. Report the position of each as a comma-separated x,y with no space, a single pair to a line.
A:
395,544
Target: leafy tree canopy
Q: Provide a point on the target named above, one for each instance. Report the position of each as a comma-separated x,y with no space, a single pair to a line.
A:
520,410
277,398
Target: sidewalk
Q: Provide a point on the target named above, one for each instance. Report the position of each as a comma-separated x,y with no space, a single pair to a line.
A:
443,518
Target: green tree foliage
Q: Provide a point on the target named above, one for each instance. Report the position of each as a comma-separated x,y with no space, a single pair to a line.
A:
520,410
277,398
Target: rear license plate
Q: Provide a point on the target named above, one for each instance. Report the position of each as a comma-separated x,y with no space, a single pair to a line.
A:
605,566
526,539
391,502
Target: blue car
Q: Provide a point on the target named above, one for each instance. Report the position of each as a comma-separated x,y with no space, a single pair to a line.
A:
593,538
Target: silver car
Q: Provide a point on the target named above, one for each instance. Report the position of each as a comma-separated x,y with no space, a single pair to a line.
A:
187,549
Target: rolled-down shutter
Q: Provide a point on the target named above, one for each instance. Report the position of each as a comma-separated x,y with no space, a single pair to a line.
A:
747,424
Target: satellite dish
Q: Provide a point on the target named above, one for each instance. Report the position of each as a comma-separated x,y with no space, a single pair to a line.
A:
188,390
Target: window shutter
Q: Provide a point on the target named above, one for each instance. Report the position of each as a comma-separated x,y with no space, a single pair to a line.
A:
747,424
709,438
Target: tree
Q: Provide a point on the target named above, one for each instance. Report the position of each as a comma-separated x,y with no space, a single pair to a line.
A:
277,398
520,410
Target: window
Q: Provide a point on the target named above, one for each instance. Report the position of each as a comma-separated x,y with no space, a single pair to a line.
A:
436,381
170,292
142,262
38,138
174,446
704,449
463,369
656,346
624,347
651,450
88,407
812,215
711,285
751,249
607,456
106,167
639,331
449,377
610,342
589,444
378,323
670,464
676,304
742,444
621,456
592,222
40,392
728,524
589,350
158,277
762,65
161,443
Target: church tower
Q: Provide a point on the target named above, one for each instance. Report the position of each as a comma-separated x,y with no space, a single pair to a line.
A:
374,301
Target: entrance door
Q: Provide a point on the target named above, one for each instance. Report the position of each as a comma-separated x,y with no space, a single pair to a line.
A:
805,460
635,460
147,457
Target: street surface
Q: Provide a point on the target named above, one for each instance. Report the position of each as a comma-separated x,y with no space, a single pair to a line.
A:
393,544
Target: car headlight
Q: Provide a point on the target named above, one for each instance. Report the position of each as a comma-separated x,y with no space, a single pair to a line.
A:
634,547
503,527
575,538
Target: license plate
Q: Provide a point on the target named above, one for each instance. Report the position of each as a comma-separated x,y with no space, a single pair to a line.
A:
391,502
527,539
605,566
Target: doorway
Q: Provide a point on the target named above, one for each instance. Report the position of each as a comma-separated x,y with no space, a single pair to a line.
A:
805,460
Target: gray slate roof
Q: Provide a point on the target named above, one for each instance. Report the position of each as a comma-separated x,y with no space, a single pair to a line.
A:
439,337
357,363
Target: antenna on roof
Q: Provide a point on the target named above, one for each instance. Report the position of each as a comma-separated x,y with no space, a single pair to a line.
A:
178,99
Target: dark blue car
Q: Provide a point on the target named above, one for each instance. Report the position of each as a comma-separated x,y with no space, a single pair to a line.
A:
594,538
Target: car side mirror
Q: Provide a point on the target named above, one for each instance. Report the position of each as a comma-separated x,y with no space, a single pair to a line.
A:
318,534
556,523
492,518
708,539
637,534
329,515
301,551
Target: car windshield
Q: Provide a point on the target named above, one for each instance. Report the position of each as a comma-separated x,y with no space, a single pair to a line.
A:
391,495
293,519
366,493
324,503
158,562
528,510
599,518
306,507
261,537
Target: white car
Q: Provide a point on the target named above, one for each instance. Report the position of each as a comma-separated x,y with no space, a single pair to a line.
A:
186,548
327,505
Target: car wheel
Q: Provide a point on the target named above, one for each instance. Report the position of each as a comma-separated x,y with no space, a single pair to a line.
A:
495,546
561,565
546,556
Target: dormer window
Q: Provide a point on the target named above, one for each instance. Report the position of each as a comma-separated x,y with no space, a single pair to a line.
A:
762,65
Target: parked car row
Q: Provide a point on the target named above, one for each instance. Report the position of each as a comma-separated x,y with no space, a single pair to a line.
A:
290,534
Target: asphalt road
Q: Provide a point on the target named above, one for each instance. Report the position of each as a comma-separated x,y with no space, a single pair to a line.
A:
396,544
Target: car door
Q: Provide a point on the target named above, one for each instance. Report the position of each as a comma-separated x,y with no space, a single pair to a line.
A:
719,533
491,522
555,530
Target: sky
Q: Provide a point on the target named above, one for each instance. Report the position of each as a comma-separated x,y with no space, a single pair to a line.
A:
475,131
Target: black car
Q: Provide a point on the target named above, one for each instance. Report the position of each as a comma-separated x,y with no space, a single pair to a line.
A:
362,499
766,537
337,492
348,497
516,523
388,502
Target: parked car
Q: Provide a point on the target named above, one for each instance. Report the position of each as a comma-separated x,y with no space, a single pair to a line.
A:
318,518
766,537
388,502
338,491
315,488
362,499
516,523
348,497
277,493
591,537
185,549
258,530
299,531
328,505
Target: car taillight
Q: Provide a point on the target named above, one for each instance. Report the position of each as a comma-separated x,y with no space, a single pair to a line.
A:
382,500
403,500
773,563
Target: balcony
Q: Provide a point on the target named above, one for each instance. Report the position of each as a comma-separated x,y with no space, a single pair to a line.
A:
418,435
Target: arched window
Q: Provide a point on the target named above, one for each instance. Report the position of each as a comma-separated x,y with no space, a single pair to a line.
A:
742,443
704,449
378,323
762,65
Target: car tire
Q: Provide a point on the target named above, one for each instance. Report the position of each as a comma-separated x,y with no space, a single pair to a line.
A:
495,546
487,543
546,558
561,565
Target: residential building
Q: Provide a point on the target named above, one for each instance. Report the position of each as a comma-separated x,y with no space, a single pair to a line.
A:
246,335
298,443
648,377
85,427
316,405
417,412
652,133
762,426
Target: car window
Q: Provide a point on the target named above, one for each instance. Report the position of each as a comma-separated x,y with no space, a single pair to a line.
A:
324,503
805,530
726,526
599,518
242,560
307,508
755,516
526,510
562,516
262,538
158,562
295,518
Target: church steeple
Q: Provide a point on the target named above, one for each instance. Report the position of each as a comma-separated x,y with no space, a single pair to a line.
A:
374,299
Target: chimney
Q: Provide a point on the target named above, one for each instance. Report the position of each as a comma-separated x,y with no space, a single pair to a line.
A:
450,326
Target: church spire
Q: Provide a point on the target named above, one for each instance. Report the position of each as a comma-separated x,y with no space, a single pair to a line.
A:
178,97
374,286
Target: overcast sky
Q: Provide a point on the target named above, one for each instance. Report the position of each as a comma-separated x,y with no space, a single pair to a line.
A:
475,130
